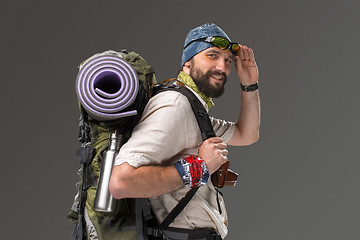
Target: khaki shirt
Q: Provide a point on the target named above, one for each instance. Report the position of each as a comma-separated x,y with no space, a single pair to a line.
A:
168,131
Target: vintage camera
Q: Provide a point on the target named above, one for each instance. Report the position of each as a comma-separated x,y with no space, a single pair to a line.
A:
224,176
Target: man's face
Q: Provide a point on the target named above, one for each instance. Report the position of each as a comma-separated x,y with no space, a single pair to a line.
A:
209,70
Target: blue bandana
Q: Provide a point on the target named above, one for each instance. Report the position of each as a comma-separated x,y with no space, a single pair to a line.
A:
203,31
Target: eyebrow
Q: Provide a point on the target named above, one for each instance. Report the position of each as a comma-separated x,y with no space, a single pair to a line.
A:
218,51
213,50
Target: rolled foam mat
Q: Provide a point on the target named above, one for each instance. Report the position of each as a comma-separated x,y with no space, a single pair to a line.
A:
106,86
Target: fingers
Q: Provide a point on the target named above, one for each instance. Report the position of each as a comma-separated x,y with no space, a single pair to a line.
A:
223,152
251,54
214,152
218,144
246,53
243,52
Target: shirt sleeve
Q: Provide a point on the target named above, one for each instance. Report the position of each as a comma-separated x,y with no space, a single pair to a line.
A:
160,134
223,129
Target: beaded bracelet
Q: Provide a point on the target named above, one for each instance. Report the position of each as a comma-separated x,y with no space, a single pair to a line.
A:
193,171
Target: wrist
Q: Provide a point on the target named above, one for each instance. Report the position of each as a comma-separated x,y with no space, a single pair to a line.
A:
249,88
193,171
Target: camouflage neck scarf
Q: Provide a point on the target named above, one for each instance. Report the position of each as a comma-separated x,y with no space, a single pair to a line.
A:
187,80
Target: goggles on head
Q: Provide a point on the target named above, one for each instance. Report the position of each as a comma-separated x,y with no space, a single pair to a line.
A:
220,42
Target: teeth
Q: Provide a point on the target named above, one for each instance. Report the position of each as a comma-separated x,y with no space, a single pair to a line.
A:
217,77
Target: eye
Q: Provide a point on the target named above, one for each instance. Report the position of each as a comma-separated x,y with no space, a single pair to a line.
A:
228,60
212,55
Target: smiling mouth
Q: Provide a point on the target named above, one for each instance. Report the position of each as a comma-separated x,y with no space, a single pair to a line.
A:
217,77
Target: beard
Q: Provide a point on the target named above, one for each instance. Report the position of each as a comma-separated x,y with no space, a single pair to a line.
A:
202,81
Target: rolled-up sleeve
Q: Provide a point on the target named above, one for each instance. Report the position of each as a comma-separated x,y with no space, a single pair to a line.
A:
223,129
161,133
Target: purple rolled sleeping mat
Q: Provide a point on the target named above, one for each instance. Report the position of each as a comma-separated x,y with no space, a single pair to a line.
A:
106,86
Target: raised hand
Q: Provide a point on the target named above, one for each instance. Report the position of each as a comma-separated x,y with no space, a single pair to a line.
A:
246,67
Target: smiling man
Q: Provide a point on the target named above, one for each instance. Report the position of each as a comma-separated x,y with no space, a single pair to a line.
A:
165,155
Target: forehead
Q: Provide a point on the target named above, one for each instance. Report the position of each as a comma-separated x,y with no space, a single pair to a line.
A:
224,53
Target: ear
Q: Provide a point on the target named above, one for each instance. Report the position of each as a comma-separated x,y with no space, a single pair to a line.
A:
186,67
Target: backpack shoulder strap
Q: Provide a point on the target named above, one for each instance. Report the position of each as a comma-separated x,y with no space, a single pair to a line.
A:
207,131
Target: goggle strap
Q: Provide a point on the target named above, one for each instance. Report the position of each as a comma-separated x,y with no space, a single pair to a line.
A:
212,39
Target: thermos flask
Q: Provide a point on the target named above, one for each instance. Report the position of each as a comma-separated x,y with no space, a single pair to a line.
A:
104,201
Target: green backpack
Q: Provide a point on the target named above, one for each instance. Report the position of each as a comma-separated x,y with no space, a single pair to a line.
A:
94,136
131,219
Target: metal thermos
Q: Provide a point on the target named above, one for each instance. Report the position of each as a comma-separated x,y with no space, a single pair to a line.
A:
104,201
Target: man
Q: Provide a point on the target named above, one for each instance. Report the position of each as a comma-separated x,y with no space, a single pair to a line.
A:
153,163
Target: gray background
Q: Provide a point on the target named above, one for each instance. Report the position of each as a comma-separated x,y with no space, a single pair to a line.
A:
299,181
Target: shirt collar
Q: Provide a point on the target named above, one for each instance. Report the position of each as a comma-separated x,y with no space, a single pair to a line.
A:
188,81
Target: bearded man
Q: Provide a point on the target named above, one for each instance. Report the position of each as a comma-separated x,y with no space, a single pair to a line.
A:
151,164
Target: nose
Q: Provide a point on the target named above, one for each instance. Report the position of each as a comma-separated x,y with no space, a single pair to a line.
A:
221,65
